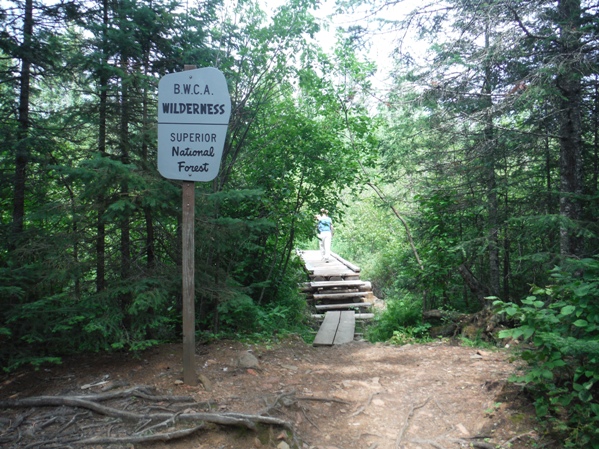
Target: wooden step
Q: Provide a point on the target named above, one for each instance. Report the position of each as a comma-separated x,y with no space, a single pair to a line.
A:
355,283
339,295
333,276
357,316
337,328
343,306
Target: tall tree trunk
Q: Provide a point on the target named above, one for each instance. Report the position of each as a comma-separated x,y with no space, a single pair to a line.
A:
124,144
101,200
22,150
150,238
491,181
125,222
595,138
506,257
569,85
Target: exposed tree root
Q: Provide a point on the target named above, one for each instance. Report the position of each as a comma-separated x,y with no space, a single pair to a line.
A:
141,439
232,419
143,426
413,408
363,407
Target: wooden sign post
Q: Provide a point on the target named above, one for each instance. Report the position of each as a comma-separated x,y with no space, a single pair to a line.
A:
188,267
193,114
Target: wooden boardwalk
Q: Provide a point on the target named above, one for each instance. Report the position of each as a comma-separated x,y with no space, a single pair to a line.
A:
336,290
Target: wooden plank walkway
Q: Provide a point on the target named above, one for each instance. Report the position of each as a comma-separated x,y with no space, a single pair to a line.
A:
335,288
336,329
334,270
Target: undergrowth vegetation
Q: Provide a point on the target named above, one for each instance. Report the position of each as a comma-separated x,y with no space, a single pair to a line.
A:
399,323
558,327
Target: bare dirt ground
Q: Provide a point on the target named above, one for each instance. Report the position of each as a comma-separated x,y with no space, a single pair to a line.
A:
357,395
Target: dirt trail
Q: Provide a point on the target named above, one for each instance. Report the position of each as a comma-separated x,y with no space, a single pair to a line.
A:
357,395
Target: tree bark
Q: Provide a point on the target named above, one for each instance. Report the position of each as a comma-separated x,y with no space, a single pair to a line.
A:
476,287
22,149
125,225
489,144
101,200
570,88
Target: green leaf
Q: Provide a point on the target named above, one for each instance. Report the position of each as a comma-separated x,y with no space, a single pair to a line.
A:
546,374
580,323
585,395
583,290
527,331
542,409
567,310
511,311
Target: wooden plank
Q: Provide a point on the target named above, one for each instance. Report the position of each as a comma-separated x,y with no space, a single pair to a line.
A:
349,265
327,275
347,326
357,316
342,306
339,295
332,284
363,296
348,277
328,329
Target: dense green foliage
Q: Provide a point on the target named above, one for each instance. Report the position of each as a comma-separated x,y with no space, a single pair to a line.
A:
558,329
90,235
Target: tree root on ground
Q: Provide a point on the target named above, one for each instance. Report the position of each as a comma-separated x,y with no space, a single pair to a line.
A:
463,442
133,427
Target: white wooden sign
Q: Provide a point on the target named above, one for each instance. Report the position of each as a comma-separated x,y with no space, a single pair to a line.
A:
194,107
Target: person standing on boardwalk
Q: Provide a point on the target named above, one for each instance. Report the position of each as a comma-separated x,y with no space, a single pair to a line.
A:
324,226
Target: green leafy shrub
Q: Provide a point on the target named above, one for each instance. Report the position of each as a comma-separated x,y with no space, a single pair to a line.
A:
242,317
399,315
559,328
411,335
